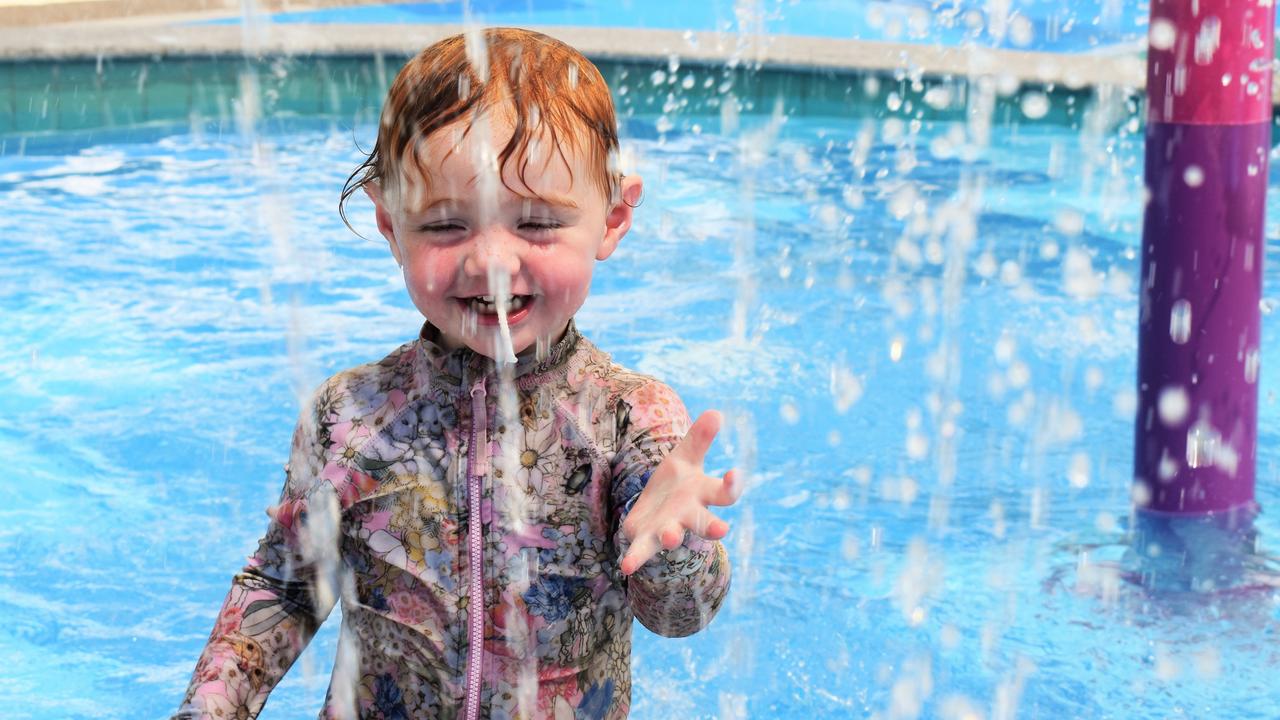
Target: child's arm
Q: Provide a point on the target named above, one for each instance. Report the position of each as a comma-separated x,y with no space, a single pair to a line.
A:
678,572
272,610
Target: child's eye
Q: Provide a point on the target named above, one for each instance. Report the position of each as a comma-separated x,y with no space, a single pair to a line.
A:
538,225
437,228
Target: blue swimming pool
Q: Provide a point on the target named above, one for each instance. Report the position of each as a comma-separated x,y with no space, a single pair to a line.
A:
923,338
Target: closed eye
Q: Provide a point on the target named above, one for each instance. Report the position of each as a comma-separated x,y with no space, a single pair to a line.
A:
446,226
539,225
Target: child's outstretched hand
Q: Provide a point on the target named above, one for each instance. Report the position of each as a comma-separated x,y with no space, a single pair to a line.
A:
675,500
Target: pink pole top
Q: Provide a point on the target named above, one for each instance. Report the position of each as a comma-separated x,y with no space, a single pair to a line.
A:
1209,62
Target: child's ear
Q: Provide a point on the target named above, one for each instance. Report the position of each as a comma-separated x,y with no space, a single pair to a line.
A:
383,215
618,220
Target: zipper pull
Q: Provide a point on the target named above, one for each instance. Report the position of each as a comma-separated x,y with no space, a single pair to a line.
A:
479,460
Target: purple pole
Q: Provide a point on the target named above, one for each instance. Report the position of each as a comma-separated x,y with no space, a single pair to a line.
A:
1208,137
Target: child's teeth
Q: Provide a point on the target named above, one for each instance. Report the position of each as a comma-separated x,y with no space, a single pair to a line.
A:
486,303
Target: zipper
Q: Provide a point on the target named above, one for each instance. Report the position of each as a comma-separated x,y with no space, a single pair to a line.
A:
477,469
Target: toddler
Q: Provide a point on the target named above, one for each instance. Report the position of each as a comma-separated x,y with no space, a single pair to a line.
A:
494,501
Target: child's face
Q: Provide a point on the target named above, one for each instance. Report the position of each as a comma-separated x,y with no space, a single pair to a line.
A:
463,234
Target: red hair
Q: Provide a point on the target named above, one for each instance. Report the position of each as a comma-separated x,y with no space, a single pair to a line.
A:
551,91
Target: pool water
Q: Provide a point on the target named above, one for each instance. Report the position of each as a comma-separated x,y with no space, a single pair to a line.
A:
1048,25
924,342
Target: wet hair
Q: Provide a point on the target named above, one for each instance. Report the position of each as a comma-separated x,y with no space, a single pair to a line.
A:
548,91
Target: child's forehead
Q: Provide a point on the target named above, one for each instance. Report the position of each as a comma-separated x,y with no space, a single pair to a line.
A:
464,156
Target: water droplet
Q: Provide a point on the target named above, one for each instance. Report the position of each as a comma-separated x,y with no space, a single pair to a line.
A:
1167,468
1010,272
1251,362
938,97
789,412
1005,348
1172,405
1021,31
1207,40
986,265
1039,507
1180,322
1140,494
1019,374
1069,221
1078,472
917,446
1193,176
1162,34
1078,277
658,77
903,202
1035,105
1093,378
895,349
1202,444
846,388
893,129
1105,522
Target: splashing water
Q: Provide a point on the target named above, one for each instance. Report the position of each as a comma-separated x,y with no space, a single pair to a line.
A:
500,289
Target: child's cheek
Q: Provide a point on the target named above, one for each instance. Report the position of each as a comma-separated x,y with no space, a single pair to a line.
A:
427,276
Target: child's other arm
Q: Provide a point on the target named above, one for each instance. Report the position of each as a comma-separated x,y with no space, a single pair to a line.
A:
678,572
273,608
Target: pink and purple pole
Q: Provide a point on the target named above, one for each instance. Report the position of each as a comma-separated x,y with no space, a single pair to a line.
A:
1207,141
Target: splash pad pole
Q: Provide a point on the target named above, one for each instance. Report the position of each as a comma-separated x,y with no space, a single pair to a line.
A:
1207,141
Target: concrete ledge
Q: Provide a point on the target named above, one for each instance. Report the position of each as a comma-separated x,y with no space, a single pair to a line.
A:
132,39
42,13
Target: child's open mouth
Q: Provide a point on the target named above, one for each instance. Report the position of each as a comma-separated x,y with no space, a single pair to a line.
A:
486,308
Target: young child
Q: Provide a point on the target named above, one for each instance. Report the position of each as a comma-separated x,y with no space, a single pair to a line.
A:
494,501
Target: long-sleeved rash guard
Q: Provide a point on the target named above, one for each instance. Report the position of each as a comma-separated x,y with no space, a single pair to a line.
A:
413,487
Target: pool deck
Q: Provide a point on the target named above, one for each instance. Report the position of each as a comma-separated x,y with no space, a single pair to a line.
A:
90,29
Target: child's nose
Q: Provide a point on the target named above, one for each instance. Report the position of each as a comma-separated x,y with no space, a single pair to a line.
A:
494,251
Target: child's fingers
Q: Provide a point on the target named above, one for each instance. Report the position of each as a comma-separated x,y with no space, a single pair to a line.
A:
642,549
705,524
722,491
672,537
701,434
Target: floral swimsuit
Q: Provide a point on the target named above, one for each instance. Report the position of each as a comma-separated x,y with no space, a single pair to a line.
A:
421,482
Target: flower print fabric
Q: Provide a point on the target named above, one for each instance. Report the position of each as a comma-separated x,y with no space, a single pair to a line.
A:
375,510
